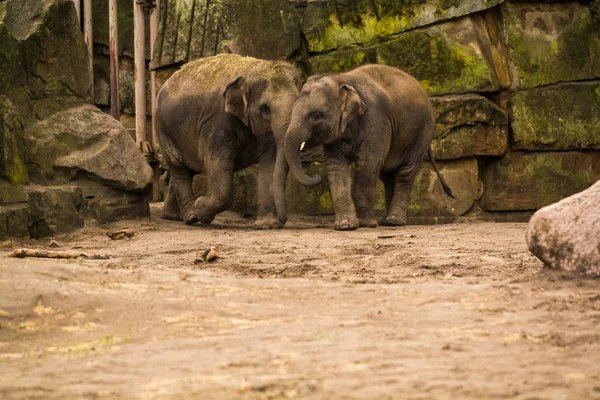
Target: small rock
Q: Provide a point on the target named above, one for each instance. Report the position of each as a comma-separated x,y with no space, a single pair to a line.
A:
121,234
566,235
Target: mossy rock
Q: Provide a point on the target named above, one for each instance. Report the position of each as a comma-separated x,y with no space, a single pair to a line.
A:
331,24
340,61
12,73
447,58
529,181
11,193
551,43
54,209
468,125
564,117
53,48
14,220
189,30
12,151
428,198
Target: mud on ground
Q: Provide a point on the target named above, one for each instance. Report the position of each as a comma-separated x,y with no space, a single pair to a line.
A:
448,311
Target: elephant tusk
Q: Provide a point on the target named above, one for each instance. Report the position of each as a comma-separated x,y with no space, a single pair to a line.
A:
302,146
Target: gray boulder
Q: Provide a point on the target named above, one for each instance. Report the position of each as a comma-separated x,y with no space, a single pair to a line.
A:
86,141
566,235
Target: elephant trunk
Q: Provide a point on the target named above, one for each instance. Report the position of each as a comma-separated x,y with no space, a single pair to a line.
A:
279,178
294,139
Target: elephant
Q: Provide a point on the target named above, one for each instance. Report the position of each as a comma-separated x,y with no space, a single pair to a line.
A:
378,117
218,115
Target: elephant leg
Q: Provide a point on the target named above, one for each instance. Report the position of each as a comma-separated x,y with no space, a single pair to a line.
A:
338,177
220,183
388,178
364,192
396,213
267,216
181,181
171,210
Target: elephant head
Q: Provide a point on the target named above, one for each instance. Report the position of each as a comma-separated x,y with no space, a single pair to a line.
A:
263,100
320,116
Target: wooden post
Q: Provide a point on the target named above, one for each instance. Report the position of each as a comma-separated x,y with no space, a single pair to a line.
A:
114,59
78,9
156,192
139,74
89,41
153,33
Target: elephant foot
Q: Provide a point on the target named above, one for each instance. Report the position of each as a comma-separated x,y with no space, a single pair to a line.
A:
190,217
346,224
204,210
368,222
267,223
393,220
171,217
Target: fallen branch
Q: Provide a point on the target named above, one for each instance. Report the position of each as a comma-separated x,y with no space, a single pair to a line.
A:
121,234
22,253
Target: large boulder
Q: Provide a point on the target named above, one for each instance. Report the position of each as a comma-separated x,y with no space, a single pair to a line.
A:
562,117
52,46
85,141
468,125
566,235
191,30
530,181
331,24
550,43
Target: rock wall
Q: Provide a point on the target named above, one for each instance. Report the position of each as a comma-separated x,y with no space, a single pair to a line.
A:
515,86
62,160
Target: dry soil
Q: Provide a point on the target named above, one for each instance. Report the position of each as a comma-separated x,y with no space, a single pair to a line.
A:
441,312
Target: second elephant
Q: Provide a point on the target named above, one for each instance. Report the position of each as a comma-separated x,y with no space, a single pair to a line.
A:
376,116
218,115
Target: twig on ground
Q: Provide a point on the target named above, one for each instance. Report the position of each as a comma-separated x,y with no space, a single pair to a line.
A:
22,253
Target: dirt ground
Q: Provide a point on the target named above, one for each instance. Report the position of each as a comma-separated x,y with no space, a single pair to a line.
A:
424,312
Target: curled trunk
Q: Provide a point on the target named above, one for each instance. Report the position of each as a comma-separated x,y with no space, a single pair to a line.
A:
294,138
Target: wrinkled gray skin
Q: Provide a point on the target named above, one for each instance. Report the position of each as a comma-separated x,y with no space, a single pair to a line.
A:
376,116
219,115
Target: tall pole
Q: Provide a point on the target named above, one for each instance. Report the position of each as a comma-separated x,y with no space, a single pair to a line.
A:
154,15
89,41
153,33
114,59
78,9
139,74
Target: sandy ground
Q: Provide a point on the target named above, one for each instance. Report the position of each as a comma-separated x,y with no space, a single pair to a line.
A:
441,312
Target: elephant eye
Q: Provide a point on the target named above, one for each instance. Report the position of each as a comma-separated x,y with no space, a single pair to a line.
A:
265,110
316,116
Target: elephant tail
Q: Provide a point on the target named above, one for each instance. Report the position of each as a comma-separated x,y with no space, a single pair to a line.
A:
437,171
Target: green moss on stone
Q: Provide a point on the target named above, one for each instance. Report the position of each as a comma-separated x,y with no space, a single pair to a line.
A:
440,64
565,117
340,61
332,24
529,181
551,43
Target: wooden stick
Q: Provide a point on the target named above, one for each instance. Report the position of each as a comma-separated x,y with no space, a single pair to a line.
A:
22,253
139,74
114,59
89,41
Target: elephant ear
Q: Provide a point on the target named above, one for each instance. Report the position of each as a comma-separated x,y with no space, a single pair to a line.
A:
236,102
352,106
